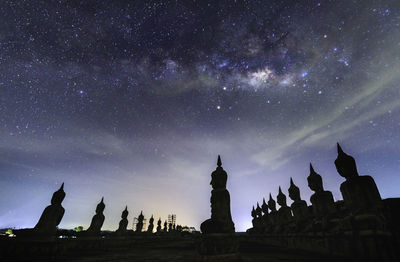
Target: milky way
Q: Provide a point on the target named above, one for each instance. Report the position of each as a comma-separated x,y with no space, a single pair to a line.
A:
134,101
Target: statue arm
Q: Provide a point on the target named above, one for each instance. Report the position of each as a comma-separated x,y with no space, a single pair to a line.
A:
42,217
60,217
374,188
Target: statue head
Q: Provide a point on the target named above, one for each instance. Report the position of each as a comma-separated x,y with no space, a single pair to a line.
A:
314,180
151,219
141,217
100,207
345,164
58,196
125,212
253,212
271,203
159,222
219,176
294,191
264,207
258,210
281,198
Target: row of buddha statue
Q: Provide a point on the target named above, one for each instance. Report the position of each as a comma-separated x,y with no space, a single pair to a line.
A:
220,221
360,209
171,227
52,215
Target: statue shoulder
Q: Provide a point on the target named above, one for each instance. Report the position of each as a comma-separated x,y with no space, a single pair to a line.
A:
368,179
327,194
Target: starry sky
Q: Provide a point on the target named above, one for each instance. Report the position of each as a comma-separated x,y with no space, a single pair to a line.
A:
134,100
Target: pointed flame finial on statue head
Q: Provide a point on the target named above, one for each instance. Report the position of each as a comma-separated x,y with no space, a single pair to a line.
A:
280,191
264,207
281,198
345,164
314,180
312,171
271,203
125,212
58,196
294,191
219,176
100,207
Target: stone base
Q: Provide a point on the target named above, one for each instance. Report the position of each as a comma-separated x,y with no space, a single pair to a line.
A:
31,233
218,245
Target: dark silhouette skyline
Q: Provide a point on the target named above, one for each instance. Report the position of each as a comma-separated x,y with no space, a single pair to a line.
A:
362,227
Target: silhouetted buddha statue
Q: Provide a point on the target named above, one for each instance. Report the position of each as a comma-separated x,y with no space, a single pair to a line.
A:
124,221
165,226
299,207
273,215
151,225
258,221
284,212
221,219
174,227
52,214
170,227
264,208
159,225
258,211
254,216
360,193
253,221
322,201
139,225
272,205
98,219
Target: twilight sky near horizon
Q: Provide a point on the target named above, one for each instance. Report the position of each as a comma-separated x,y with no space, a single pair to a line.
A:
134,100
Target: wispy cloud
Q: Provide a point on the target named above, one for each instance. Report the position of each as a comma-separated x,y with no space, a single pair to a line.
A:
280,152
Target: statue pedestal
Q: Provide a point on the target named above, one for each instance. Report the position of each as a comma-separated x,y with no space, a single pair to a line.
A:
218,247
32,234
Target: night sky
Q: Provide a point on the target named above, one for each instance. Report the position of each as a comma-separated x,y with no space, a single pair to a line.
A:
134,101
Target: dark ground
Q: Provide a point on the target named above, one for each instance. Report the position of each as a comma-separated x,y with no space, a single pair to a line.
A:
145,249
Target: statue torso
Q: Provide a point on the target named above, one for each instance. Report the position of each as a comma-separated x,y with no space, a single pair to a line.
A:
322,203
123,224
97,223
284,215
360,194
50,218
299,209
220,205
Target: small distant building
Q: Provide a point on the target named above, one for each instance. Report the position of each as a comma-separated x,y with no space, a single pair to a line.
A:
191,230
